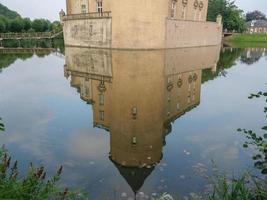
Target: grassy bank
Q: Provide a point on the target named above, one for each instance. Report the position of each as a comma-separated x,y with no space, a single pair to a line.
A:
247,40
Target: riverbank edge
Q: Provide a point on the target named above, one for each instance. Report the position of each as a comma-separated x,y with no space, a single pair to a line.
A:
245,40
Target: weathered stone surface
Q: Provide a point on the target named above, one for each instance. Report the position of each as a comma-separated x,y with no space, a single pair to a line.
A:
142,24
88,32
181,33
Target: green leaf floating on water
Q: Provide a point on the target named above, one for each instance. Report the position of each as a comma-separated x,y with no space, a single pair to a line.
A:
264,128
265,135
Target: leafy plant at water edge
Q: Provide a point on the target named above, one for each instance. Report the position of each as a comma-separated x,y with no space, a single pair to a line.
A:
2,126
259,142
34,186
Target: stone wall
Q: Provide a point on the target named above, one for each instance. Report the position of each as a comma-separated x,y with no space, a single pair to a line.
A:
182,60
88,32
89,61
138,24
180,33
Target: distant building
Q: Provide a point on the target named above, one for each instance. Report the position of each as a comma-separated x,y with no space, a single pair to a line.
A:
257,26
139,24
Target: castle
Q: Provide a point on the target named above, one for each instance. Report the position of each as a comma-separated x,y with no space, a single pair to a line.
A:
136,96
139,24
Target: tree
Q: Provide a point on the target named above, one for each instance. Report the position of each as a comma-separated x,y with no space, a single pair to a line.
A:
17,25
27,24
2,26
55,26
41,25
6,23
255,15
231,14
37,25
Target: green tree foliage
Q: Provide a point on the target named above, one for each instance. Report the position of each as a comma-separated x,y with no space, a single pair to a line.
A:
27,24
5,12
258,140
6,24
41,25
2,126
2,26
228,58
17,25
255,15
231,14
10,21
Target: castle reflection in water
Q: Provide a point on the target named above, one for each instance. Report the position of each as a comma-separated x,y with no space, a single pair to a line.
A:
136,95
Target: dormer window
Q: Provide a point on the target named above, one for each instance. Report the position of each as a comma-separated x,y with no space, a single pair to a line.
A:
99,6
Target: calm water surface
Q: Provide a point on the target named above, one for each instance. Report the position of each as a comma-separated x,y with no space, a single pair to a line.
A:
131,121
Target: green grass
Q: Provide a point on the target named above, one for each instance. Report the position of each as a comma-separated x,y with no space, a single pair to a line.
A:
247,40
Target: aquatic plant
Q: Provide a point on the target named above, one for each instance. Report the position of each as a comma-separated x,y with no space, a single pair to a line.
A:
258,141
2,126
224,188
34,186
165,196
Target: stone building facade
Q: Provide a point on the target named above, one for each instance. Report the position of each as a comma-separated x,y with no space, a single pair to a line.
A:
136,96
139,24
116,82
257,26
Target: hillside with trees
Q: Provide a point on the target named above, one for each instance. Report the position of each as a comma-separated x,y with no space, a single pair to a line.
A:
11,21
5,12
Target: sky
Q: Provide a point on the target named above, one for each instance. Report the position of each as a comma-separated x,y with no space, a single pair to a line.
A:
49,9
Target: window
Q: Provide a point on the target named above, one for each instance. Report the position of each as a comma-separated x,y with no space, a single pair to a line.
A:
87,90
184,2
91,34
102,115
178,106
173,9
101,100
183,12
99,5
83,8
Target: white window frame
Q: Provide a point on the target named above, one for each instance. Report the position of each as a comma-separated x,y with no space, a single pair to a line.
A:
99,6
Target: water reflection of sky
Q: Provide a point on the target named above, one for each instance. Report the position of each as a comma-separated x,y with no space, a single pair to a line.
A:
49,124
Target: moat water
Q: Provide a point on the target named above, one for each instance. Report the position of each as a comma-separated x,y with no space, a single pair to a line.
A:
133,123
